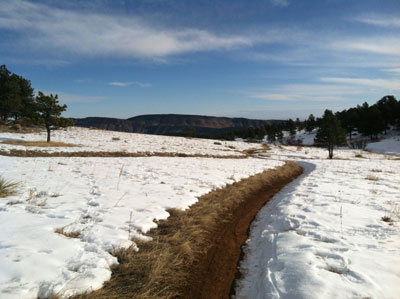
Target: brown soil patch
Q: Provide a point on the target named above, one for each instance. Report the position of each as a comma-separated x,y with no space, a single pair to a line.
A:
39,143
45,154
195,253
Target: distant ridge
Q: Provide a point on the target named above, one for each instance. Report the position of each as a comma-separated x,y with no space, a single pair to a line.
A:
171,124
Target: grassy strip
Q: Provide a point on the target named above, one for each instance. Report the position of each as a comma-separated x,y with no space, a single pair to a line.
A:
186,258
8,188
85,154
39,143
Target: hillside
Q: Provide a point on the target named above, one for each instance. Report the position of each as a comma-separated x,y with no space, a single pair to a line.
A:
165,124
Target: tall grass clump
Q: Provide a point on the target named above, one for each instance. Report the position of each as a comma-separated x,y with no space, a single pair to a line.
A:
7,187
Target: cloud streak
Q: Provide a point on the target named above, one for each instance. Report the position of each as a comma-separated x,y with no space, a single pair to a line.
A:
377,45
330,90
380,83
46,27
281,3
380,20
132,83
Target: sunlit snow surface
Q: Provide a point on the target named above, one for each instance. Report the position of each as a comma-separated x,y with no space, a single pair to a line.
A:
389,146
103,202
323,236
110,141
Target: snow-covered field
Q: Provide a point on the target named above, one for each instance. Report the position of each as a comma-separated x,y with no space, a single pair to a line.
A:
321,237
109,141
388,146
102,203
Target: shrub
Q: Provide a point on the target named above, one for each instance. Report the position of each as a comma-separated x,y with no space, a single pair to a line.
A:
7,188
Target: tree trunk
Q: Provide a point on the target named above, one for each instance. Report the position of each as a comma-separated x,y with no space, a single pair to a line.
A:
48,133
330,148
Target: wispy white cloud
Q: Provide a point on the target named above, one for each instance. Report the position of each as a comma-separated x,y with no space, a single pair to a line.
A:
330,90
389,84
131,83
307,93
282,3
380,20
273,96
387,45
43,27
319,49
393,70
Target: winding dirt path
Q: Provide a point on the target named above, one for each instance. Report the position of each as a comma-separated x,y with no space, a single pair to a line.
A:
217,269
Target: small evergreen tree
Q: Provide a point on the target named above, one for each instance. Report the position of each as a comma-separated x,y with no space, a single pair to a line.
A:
189,131
48,112
279,133
261,132
330,133
291,127
310,123
271,133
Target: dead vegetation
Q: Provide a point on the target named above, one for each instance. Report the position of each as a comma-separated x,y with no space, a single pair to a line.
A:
12,127
66,234
372,178
7,187
86,154
39,143
194,253
387,219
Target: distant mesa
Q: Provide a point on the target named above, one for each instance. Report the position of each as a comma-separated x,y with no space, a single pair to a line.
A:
171,124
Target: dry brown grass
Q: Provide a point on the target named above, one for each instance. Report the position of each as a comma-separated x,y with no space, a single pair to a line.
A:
7,187
45,154
252,151
372,178
12,128
61,231
39,143
174,264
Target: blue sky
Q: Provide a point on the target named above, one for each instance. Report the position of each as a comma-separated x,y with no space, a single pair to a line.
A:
266,59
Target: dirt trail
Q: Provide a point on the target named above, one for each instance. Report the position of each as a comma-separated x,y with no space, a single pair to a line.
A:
216,272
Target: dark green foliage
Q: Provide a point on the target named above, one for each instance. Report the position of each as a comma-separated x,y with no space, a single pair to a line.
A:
48,112
16,95
261,132
371,120
330,133
189,132
291,127
310,123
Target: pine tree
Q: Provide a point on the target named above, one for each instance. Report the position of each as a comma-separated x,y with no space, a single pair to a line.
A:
48,112
330,133
16,95
261,132
291,127
310,123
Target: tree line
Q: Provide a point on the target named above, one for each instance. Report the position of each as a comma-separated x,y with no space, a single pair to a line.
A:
18,102
368,121
331,129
